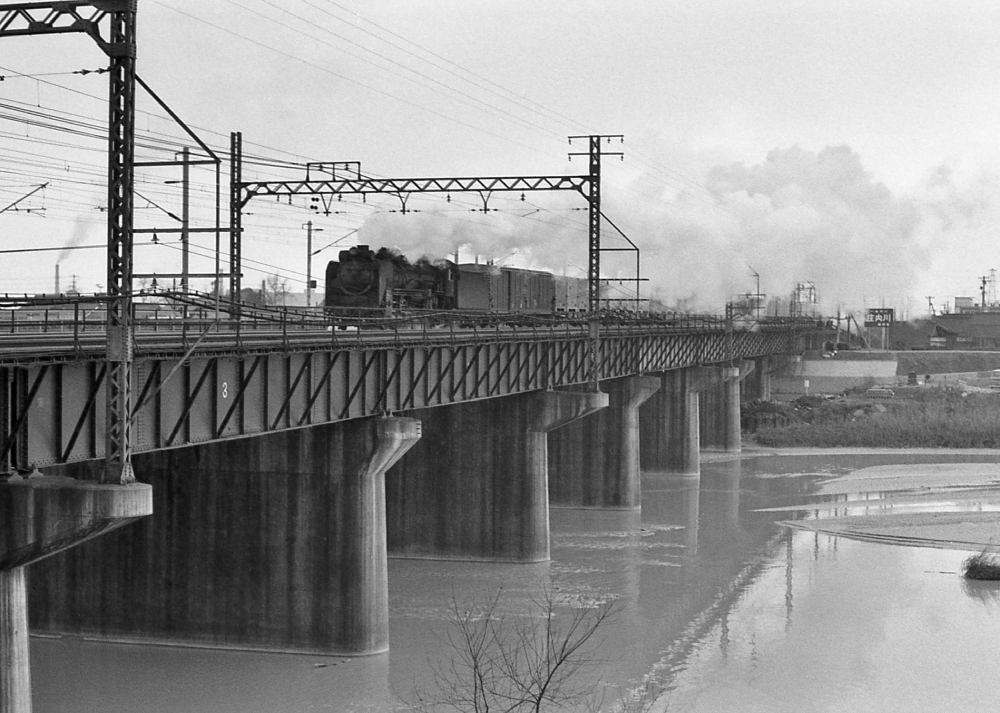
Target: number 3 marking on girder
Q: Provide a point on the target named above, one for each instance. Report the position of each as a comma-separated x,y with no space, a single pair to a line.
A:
225,389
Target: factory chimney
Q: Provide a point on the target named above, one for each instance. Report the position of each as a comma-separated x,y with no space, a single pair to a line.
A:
57,278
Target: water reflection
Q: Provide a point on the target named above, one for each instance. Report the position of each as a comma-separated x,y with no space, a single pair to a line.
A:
723,610
985,592
673,502
866,628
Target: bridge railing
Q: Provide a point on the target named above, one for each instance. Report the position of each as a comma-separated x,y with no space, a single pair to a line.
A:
166,319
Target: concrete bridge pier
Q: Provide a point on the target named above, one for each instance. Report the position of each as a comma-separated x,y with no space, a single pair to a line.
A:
40,516
476,486
669,424
594,462
15,673
764,367
272,543
756,386
720,406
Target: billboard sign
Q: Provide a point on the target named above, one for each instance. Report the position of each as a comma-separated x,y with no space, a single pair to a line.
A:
881,317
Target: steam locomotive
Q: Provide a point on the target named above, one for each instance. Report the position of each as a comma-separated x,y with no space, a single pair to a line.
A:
364,278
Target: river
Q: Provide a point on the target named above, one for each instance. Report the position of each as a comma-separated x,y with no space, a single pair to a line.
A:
720,608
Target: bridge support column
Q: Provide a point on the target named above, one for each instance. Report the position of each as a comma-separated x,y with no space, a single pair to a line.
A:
669,424
15,675
476,487
273,543
720,406
594,462
40,516
764,367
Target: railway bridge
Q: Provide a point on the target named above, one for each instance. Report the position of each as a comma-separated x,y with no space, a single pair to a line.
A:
284,459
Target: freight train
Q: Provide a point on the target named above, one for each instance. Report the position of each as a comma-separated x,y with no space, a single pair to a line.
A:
365,278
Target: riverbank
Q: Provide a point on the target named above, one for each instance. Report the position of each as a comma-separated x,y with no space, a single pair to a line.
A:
913,417
946,505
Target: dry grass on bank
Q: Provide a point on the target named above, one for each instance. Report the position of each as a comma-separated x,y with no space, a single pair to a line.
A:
932,418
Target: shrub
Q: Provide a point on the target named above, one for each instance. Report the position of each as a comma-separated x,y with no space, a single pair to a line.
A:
984,565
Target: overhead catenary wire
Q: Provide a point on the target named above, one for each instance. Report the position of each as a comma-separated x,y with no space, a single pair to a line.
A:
102,100
463,97
250,160
339,75
154,143
522,100
569,121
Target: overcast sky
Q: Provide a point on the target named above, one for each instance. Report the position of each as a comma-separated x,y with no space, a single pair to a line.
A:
855,148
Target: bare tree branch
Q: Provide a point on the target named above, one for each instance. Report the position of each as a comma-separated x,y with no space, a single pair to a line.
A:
505,662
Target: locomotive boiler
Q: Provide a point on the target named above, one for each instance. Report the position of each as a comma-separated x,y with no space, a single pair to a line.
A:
362,277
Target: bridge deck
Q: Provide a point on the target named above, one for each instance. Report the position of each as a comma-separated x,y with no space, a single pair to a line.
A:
200,382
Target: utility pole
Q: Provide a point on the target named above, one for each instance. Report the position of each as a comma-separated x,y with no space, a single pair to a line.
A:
837,342
756,296
235,215
594,253
121,173
185,218
309,260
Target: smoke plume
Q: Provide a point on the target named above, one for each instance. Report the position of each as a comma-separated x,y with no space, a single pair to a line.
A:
798,215
77,237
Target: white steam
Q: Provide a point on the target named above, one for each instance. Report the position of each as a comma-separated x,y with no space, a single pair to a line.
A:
798,215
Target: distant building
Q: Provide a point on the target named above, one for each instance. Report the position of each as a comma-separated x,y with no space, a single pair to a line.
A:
805,300
965,304
966,330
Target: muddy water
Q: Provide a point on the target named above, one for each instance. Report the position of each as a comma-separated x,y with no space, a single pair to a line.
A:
722,609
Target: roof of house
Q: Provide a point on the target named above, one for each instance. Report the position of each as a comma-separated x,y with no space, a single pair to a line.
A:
975,325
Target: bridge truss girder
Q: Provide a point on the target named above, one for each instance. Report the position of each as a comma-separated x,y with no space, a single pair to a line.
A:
49,415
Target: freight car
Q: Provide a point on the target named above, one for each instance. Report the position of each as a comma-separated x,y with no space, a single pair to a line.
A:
505,289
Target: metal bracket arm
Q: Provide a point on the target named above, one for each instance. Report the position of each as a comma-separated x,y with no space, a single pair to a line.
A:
46,18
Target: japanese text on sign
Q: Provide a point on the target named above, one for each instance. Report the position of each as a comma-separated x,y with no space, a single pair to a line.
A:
881,317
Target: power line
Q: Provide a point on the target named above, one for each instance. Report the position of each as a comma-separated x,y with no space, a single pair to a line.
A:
346,78
102,70
103,101
511,117
569,122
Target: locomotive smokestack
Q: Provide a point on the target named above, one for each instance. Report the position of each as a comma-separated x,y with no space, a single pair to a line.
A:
57,278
